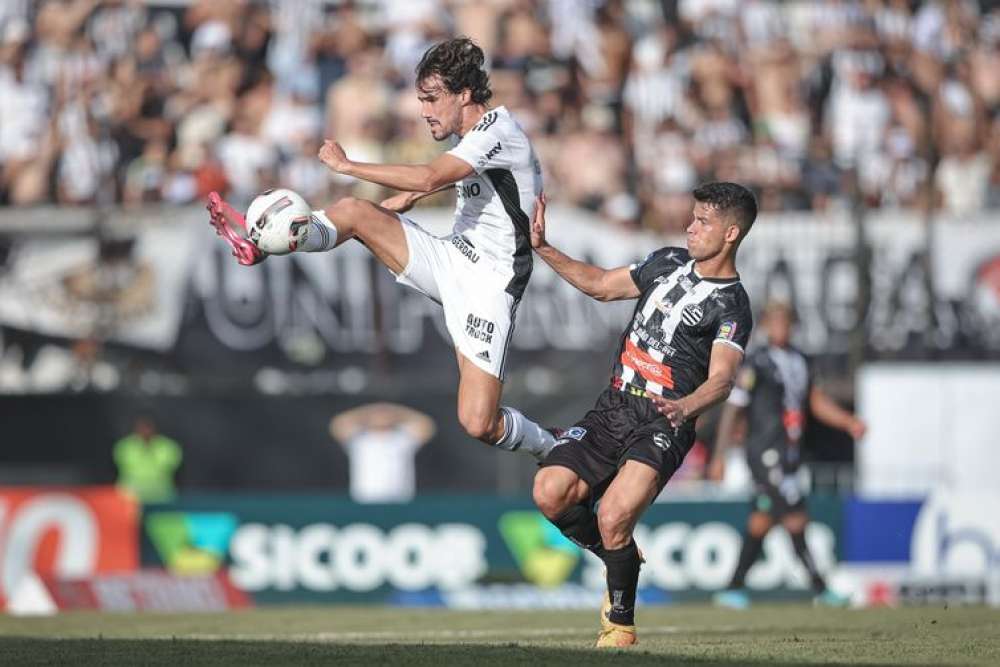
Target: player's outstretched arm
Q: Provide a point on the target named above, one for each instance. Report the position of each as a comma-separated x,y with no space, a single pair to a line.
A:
443,170
827,411
595,282
722,367
402,202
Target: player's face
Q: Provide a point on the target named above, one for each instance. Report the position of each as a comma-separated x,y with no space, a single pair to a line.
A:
709,232
440,108
778,325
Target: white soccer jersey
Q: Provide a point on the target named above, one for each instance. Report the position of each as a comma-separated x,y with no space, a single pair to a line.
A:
497,201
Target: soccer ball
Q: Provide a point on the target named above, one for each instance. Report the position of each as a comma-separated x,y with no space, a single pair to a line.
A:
277,221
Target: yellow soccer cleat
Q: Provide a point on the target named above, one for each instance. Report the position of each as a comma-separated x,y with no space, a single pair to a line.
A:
616,636
606,623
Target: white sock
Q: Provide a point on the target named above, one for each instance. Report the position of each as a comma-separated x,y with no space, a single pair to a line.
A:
322,234
524,434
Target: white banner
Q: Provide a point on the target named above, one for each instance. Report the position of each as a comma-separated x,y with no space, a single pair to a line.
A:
931,427
944,303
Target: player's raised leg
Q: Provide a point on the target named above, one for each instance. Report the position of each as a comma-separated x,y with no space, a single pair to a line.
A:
483,418
630,493
378,228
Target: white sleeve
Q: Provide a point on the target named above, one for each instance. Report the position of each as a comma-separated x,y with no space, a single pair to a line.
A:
485,147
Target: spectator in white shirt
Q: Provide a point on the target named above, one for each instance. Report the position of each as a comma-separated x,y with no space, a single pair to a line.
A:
381,441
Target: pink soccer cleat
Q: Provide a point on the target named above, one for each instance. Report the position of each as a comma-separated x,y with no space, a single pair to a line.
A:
231,226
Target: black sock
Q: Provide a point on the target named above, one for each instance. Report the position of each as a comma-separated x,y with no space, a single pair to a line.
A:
748,556
802,549
579,524
623,580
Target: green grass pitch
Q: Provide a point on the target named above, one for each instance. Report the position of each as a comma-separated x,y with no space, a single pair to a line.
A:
783,634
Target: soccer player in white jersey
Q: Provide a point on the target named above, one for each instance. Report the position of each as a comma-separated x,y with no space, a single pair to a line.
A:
477,273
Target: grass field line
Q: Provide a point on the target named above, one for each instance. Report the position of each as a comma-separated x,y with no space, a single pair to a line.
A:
443,634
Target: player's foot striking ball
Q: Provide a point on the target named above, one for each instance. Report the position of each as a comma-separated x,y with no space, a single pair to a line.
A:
478,273
677,358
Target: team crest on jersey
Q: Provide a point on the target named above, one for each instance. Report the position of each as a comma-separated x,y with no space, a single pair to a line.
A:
692,314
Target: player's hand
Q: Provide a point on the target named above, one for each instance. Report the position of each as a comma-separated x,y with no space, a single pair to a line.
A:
333,156
538,223
400,203
674,411
857,428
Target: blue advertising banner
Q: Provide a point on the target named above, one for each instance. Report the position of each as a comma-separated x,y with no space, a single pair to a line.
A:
460,551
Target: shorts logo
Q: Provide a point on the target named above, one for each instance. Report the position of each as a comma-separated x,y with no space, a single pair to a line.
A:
484,355
465,248
479,329
572,433
661,440
692,314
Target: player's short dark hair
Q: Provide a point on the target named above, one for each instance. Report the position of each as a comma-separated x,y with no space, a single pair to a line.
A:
460,64
730,198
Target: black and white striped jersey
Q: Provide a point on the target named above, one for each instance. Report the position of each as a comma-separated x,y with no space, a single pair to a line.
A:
773,385
679,317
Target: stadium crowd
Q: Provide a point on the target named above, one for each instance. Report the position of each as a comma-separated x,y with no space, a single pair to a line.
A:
630,103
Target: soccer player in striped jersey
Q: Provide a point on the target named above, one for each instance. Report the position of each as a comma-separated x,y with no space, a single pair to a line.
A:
678,357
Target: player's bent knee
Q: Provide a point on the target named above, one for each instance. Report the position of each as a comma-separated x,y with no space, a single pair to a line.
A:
478,425
551,494
349,213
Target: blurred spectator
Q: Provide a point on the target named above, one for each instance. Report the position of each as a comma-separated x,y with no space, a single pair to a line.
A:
630,102
147,463
381,441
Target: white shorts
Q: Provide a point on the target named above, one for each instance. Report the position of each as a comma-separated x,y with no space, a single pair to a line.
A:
478,311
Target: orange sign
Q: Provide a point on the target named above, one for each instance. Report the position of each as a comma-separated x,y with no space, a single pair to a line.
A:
649,368
66,532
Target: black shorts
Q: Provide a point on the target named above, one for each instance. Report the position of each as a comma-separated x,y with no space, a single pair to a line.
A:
777,499
621,427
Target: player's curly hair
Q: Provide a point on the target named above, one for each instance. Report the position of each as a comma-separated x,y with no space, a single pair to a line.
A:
460,64
730,198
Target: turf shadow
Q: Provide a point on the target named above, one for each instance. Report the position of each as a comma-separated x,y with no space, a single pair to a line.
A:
98,651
